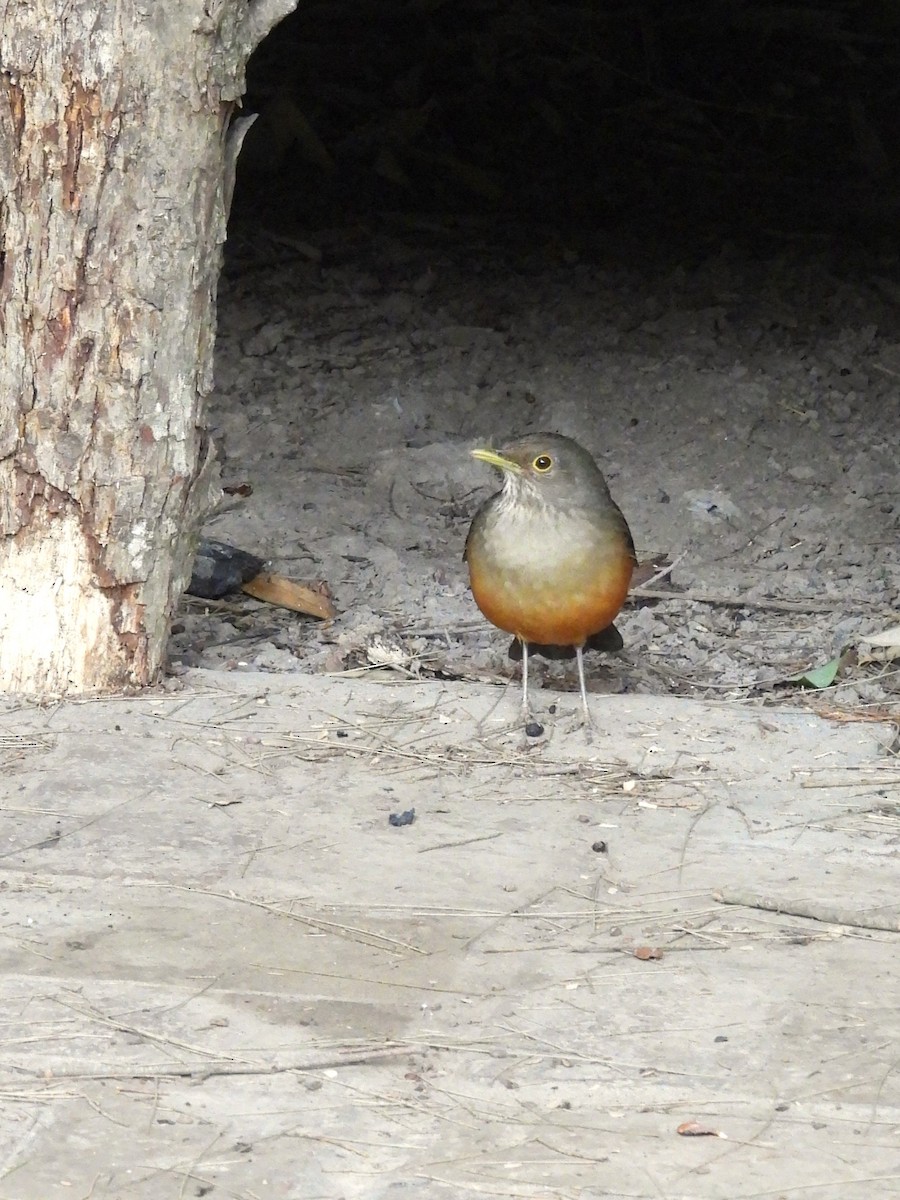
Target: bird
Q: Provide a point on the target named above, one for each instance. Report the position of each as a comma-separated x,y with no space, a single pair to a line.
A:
550,555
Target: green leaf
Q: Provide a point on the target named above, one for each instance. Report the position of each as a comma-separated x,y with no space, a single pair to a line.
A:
817,677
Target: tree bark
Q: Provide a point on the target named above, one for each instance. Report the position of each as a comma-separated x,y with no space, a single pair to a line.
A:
114,143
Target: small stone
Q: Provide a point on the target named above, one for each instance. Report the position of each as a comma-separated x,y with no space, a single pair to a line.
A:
802,472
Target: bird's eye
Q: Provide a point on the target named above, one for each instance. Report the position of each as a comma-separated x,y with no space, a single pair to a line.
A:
543,463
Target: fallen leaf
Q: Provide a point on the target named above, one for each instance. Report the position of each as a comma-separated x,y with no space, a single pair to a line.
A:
695,1129
883,647
645,953
817,677
382,653
887,637
314,599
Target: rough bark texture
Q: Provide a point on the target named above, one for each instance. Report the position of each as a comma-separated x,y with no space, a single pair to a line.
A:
113,144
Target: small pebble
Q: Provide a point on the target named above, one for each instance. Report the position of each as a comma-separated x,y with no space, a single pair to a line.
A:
404,818
600,847
534,729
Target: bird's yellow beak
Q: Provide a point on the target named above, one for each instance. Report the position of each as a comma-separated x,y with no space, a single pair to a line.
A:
493,459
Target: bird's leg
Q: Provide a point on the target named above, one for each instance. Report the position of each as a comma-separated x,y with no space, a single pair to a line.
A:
579,654
525,713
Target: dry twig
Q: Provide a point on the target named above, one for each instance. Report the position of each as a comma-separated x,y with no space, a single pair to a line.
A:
826,913
721,601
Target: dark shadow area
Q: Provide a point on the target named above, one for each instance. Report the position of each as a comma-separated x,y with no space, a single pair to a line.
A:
668,230
677,117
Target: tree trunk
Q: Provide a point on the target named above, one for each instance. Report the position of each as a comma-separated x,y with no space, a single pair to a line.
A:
114,149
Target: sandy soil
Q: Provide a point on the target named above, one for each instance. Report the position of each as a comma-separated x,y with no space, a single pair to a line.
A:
745,412
227,973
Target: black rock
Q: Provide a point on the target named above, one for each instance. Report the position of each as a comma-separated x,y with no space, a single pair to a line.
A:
220,569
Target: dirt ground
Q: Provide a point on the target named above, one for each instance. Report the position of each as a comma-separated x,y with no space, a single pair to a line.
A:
227,973
745,411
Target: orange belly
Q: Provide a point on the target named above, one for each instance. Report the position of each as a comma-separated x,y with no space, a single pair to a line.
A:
549,611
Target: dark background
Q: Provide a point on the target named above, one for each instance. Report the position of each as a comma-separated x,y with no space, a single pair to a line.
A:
680,118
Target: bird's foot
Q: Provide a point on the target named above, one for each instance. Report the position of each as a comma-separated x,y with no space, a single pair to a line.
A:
587,725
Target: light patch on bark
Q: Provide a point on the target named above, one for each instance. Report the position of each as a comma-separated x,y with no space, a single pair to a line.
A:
59,633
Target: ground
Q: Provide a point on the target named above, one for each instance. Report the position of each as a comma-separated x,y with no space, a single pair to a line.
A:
226,972
744,409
